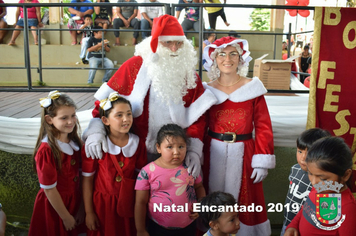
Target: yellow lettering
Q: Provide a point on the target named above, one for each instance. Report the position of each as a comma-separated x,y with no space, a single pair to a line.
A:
344,125
345,36
325,73
353,131
332,11
329,98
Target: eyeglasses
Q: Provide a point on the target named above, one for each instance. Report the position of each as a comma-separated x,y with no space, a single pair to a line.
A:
170,44
232,55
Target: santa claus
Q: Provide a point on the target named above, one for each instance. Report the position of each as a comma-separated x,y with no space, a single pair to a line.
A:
161,83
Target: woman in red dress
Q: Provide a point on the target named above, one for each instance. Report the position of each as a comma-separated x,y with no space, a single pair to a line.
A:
234,161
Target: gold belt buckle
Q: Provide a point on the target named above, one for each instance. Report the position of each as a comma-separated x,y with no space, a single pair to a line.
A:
233,137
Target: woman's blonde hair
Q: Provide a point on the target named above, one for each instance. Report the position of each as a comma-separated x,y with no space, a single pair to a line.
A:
52,132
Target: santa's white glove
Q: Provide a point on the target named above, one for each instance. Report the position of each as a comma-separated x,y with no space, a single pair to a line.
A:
192,160
95,145
260,174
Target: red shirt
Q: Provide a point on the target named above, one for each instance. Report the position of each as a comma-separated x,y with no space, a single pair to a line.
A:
31,12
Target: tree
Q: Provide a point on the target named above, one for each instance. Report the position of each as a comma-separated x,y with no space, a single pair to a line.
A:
260,19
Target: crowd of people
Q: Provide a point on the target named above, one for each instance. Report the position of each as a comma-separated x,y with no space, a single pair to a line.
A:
158,145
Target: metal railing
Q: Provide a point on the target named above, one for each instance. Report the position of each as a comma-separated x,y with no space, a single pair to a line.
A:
168,8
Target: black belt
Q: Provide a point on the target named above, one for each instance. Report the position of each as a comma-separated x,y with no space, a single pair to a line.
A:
230,137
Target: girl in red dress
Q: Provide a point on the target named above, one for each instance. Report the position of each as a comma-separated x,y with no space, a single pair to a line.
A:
108,182
56,160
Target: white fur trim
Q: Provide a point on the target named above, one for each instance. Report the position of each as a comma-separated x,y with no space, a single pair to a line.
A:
263,229
171,38
252,89
139,91
267,161
95,126
186,116
226,164
103,92
128,150
48,186
86,174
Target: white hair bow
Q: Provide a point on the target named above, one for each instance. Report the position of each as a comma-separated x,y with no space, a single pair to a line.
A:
47,101
105,104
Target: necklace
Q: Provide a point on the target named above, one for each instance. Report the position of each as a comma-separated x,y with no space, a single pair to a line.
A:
229,84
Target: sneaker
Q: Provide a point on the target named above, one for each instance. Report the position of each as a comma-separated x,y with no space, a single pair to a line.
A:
86,62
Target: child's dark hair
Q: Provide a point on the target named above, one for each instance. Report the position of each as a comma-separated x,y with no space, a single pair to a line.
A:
208,33
108,111
87,16
309,136
52,132
96,29
171,130
215,199
331,154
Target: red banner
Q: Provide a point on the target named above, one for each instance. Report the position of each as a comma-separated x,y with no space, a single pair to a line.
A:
332,98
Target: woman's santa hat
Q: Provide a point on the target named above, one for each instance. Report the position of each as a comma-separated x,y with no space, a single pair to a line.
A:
166,28
223,43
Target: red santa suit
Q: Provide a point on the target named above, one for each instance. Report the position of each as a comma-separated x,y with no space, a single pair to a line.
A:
150,113
107,187
45,220
228,166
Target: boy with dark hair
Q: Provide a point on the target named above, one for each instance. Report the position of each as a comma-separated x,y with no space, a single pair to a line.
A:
97,49
220,223
87,33
299,184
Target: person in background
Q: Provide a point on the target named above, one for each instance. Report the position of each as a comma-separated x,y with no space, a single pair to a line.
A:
214,12
149,13
209,37
76,21
299,184
103,16
164,182
126,17
225,223
192,16
97,55
87,33
34,21
234,160
56,160
108,183
303,64
3,24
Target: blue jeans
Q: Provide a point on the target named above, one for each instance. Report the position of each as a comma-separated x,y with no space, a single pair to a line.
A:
145,25
94,62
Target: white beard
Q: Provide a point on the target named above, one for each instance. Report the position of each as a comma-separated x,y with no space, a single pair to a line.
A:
173,73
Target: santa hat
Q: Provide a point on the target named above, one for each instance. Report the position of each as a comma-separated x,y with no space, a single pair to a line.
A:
223,43
166,28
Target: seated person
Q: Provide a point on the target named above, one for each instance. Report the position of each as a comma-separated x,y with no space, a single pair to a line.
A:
87,33
3,24
97,55
34,21
103,15
148,14
191,18
78,12
126,16
209,37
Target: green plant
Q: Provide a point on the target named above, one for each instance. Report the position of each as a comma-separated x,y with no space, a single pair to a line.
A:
260,19
40,83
